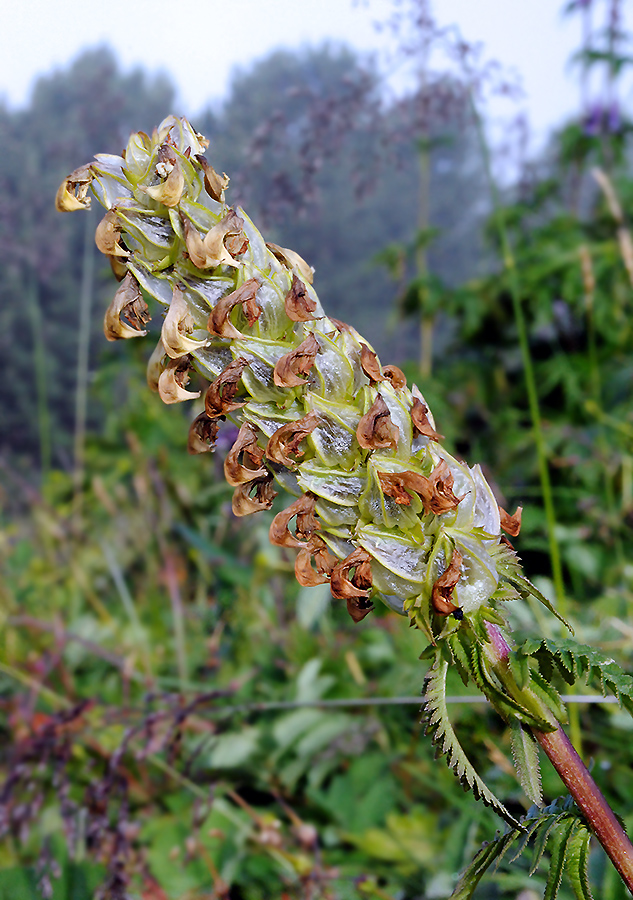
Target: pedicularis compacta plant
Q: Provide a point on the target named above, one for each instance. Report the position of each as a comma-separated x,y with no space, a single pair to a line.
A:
381,511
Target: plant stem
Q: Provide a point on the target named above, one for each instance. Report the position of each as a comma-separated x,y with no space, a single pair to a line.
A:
41,371
590,800
426,320
509,265
83,357
575,776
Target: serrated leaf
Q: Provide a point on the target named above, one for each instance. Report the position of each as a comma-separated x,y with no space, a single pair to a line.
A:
540,843
526,761
525,586
504,704
577,863
520,668
445,739
559,858
572,660
546,692
481,863
560,816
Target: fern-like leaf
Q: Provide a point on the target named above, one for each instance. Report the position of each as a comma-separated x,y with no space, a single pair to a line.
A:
574,661
447,744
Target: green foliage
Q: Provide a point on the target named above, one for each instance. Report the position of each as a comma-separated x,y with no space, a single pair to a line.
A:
443,736
559,824
573,661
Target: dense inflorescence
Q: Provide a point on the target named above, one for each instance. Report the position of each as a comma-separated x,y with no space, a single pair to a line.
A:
382,509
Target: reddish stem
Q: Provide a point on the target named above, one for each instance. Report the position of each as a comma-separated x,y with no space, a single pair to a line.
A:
578,781
589,799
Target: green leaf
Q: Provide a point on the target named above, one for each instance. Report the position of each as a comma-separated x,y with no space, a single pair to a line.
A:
520,668
573,660
577,862
445,739
526,587
526,761
559,858
481,863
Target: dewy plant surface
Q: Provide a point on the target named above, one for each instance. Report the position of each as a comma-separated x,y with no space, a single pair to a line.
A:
383,510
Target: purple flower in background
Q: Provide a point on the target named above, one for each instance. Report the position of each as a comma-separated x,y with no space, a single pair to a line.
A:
593,120
614,122
601,119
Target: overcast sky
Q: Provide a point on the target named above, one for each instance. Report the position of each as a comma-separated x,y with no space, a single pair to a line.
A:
199,42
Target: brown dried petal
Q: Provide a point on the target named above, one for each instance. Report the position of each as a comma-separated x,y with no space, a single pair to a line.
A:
236,244
342,326
203,433
370,365
305,526
296,363
292,260
286,440
214,184
435,491
231,224
249,469
219,320
358,586
511,524
72,192
155,366
443,498
396,376
172,381
219,398
358,608
354,591
119,268
108,235
129,303
169,192
443,587
195,245
304,573
395,485
324,561
421,424
300,307
210,251
376,430
243,504
177,326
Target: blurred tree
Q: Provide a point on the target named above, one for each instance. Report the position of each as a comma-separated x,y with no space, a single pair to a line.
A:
91,104
330,166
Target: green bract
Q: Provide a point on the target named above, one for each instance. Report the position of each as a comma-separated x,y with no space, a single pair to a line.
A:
382,509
